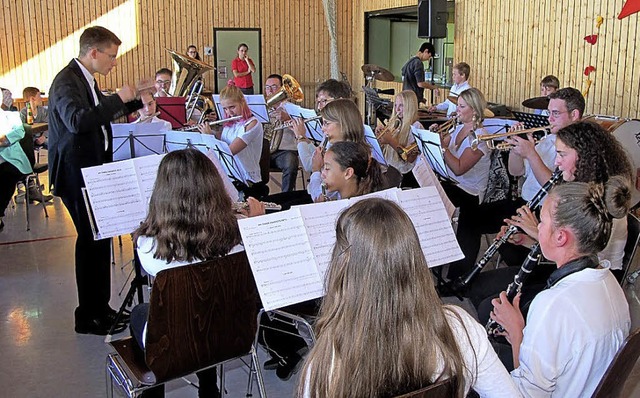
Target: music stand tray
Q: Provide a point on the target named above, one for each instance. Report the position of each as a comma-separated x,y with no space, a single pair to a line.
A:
531,120
173,110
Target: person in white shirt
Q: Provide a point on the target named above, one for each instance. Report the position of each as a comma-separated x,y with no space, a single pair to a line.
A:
178,232
244,138
382,330
396,135
469,167
575,327
460,76
548,85
148,113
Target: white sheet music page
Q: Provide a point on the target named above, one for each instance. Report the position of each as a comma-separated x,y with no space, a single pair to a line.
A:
281,258
115,198
146,173
320,223
432,224
427,178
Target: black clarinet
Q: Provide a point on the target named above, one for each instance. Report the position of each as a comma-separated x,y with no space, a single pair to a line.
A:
493,327
463,282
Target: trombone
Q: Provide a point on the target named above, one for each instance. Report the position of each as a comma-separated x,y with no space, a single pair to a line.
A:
504,146
211,124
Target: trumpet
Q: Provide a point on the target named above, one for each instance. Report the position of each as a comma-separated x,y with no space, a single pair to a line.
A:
393,126
221,121
503,146
145,119
405,152
289,123
447,127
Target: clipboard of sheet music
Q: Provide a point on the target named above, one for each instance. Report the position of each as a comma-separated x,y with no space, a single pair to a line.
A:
289,251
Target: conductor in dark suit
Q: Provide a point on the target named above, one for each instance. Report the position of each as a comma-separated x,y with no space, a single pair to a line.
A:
80,136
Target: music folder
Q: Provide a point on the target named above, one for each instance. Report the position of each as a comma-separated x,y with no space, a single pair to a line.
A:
290,251
173,110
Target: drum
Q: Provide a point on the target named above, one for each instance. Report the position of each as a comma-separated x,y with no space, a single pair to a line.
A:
609,123
627,132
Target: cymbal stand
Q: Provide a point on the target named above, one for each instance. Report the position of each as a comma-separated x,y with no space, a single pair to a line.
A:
370,116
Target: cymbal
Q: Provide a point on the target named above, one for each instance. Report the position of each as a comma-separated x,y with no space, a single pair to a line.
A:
377,72
536,103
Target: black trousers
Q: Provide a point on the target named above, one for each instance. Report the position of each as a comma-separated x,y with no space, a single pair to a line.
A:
92,261
9,177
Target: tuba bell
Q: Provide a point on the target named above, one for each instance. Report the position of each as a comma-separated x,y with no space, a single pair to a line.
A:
290,90
186,81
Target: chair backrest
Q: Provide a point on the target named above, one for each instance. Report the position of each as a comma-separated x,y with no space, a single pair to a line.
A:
265,161
441,389
200,315
613,381
633,238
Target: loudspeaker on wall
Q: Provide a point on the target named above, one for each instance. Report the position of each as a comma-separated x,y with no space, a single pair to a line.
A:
432,18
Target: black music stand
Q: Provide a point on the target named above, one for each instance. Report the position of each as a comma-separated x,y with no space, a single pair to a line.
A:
313,129
374,103
531,120
430,145
135,140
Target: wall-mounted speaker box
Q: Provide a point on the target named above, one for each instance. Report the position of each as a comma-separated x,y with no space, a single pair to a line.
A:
432,19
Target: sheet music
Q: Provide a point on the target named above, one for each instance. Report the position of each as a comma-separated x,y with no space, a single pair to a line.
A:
376,151
432,224
320,223
146,173
313,128
281,258
427,178
115,198
431,147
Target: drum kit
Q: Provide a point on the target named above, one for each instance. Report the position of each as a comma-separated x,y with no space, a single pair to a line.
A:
372,73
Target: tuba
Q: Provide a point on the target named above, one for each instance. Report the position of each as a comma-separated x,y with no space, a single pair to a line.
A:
290,90
186,82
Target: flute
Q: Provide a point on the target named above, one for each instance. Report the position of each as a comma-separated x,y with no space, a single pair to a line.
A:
145,119
270,206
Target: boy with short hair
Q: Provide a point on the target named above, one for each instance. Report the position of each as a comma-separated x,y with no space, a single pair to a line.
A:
460,76
40,113
548,85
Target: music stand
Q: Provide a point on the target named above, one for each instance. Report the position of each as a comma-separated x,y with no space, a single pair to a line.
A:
313,128
176,140
531,120
376,150
135,140
173,110
374,102
430,145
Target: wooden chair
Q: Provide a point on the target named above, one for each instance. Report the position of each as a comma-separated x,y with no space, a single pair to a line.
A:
441,389
614,379
200,316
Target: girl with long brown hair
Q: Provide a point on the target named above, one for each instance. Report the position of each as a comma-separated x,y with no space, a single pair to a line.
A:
382,329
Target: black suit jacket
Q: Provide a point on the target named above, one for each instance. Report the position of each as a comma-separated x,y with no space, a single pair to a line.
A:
76,139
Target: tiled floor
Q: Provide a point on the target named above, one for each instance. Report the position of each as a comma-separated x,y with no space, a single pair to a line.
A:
41,355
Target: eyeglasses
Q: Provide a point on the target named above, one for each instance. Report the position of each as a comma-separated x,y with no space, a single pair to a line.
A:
272,87
326,122
111,56
324,101
163,82
556,113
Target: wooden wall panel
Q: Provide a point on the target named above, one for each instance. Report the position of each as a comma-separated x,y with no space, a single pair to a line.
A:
509,45
293,33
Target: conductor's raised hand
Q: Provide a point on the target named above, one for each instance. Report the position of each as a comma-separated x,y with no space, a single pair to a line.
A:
127,93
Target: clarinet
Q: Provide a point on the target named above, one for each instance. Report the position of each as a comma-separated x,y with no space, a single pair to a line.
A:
493,327
463,282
